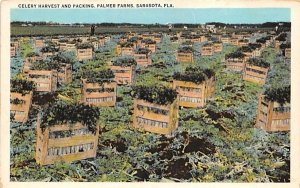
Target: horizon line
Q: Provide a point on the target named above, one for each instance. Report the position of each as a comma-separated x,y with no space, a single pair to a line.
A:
137,23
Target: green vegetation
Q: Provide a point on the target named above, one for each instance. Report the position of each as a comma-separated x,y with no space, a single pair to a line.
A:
84,46
194,74
189,36
72,42
185,49
285,45
63,40
154,94
17,101
124,61
142,51
69,93
133,39
126,44
174,38
281,37
263,39
236,54
254,45
26,49
186,43
49,49
148,41
281,95
245,49
64,57
278,86
21,86
98,76
70,113
259,62
45,65
244,40
208,45
32,54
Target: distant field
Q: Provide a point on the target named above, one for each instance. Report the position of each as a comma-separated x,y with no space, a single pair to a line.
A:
72,30
69,30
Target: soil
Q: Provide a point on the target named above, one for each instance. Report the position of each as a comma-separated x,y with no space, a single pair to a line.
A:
119,99
179,169
198,144
149,162
159,65
142,175
166,155
228,114
213,115
159,148
118,144
42,99
190,117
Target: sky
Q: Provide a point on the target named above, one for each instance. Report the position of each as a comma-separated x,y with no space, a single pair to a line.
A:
154,15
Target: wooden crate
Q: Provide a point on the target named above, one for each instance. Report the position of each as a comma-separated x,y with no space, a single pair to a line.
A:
151,47
257,52
15,43
147,118
157,39
84,39
255,74
248,55
46,81
55,40
207,50
70,47
287,53
196,39
62,46
143,59
217,36
218,46
235,64
269,119
268,42
84,54
123,75
118,49
234,41
185,57
21,111
13,51
95,44
48,54
277,44
65,73
194,95
127,51
105,98
225,40
101,41
65,143
39,43
242,43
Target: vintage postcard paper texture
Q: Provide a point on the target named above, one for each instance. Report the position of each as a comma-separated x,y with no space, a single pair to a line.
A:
166,92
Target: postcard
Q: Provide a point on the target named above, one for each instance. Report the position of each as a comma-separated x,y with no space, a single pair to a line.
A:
149,93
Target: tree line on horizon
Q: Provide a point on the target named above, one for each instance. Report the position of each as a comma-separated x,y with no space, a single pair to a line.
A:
176,25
